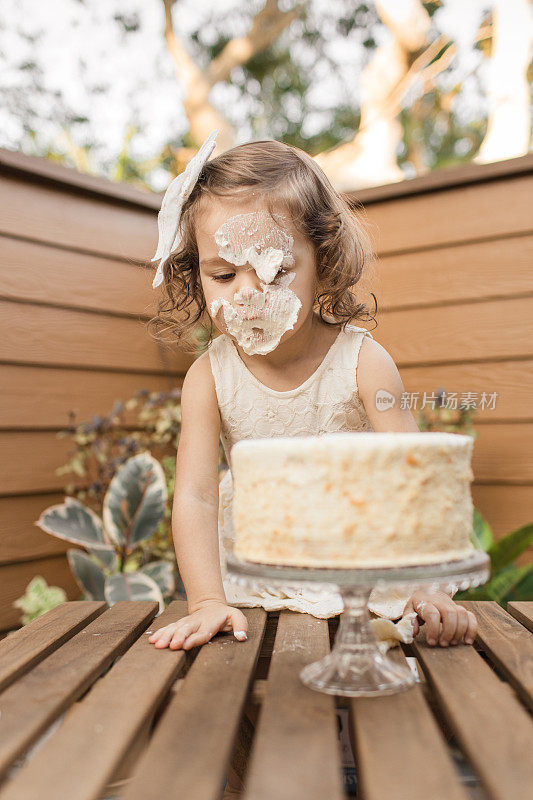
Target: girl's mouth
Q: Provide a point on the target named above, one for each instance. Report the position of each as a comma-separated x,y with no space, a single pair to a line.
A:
250,315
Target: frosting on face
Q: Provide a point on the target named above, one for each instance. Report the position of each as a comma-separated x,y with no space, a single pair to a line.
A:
256,240
262,319
258,319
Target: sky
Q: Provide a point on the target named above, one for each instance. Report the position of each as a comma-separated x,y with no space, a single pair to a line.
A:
89,65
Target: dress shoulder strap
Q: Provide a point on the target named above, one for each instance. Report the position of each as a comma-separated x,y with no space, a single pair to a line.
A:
353,340
221,364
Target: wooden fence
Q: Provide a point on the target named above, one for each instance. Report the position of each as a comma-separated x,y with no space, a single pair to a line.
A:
454,290
74,305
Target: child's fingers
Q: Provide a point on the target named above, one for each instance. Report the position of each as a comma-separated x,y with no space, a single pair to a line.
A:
180,636
449,624
472,628
165,638
197,638
239,624
462,625
431,616
163,635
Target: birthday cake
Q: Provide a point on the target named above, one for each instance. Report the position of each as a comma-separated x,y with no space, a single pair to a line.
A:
353,500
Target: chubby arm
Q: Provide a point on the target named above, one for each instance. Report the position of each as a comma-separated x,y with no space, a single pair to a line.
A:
195,506
447,623
195,520
378,377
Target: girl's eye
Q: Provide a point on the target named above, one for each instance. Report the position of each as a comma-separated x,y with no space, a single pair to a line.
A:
230,275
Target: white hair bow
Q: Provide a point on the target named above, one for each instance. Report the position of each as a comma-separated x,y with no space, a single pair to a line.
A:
177,192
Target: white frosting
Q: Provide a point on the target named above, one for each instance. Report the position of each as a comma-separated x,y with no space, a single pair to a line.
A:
256,239
353,499
389,634
260,318
259,324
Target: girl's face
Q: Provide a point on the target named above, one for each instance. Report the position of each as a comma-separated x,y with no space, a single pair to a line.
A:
258,275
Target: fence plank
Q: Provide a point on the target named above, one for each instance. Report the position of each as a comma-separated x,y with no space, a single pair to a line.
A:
42,170
511,380
506,508
61,337
468,332
58,276
502,452
22,472
86,392
21,539
14,578
480,211
455,273
47,214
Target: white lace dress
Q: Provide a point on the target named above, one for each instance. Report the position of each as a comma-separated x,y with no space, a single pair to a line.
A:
327,402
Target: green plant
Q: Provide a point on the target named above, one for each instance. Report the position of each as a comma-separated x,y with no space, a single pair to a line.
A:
508,580
133,507
440,417
38,599
101,445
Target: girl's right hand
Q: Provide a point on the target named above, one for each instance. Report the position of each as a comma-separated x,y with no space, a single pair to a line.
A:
198,628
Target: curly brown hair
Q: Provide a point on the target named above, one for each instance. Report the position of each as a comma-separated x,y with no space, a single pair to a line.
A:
286,178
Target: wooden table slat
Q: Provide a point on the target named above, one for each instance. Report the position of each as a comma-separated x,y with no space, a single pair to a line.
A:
295,752
32,704
190,749
493,728
509,645
523,612
401,752
22,649
121,704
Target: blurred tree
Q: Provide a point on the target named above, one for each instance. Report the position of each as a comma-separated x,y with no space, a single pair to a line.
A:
266,26
407,62
372,90
509,125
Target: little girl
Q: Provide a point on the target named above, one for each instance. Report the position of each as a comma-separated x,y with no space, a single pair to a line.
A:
258,244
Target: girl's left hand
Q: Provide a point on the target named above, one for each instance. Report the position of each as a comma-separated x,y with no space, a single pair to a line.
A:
437,607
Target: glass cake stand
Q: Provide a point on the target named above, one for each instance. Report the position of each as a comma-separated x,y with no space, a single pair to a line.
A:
355,667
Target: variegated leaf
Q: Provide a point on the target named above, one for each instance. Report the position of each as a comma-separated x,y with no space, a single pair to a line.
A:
132,586
163,574
75,523
107,558
135,501
88,575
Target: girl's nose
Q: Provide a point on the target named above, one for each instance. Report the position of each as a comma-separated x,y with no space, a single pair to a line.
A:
249,281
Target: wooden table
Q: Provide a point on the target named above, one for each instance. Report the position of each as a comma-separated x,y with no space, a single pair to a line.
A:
110,712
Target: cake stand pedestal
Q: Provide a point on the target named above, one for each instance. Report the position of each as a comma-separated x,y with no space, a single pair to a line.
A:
355,667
